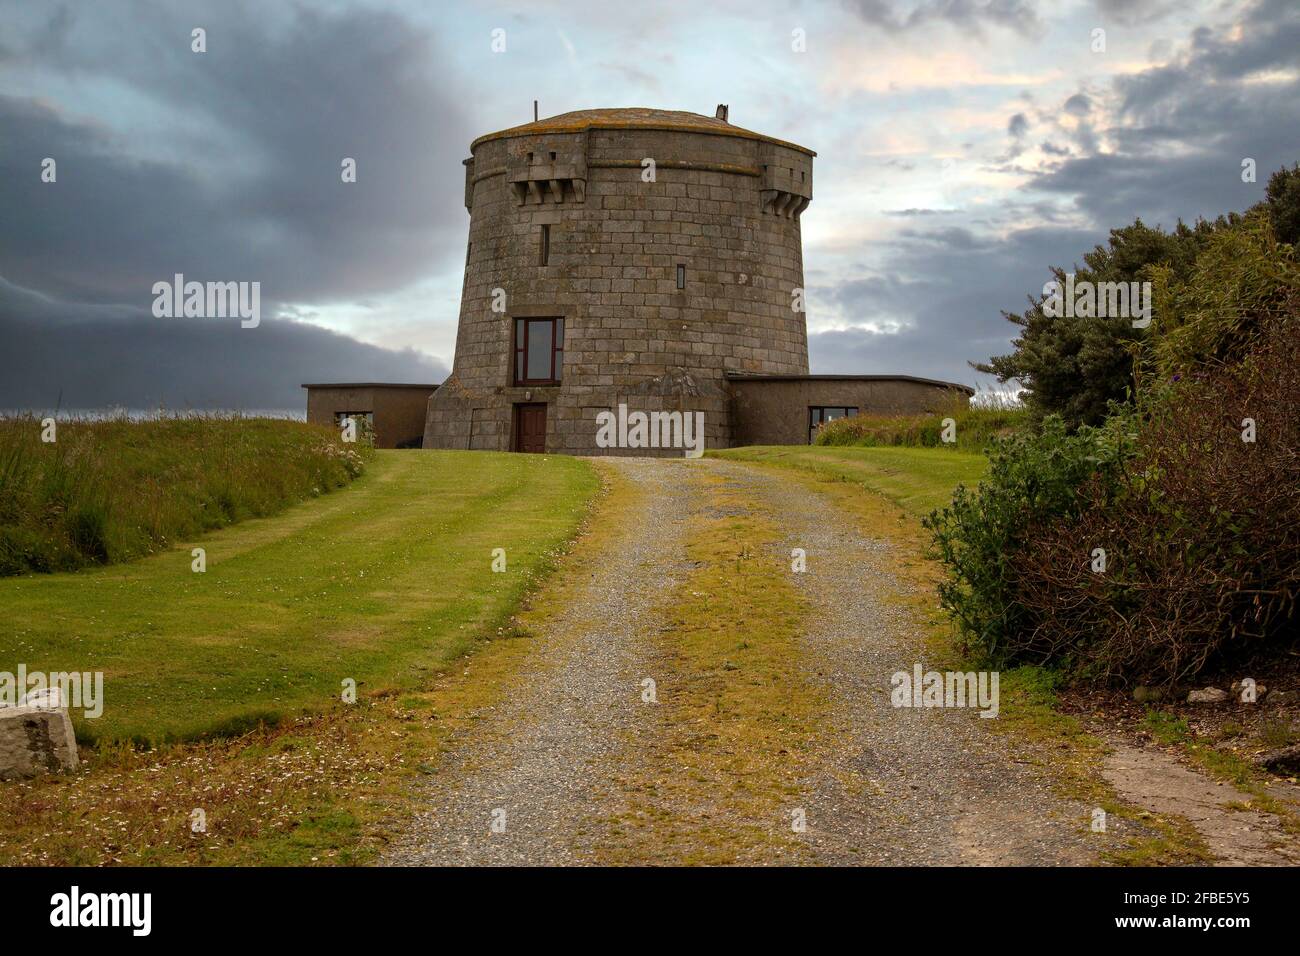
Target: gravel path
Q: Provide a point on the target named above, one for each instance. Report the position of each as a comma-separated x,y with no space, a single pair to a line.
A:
892,786
541,757
900,786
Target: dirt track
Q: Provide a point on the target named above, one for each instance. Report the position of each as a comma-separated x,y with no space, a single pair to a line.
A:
549,775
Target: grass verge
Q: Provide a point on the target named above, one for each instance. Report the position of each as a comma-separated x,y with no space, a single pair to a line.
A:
972,429
82,492
324,788
918,480
380,585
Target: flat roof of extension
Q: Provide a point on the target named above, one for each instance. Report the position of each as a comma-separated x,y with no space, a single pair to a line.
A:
366,385
743,377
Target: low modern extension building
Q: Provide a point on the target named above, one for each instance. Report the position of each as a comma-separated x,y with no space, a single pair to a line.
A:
395,412
625,261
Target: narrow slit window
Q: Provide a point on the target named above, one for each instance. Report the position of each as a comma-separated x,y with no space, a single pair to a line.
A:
681,276
544,248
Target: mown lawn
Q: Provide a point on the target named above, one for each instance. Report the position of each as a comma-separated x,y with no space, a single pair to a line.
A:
380,583
916,479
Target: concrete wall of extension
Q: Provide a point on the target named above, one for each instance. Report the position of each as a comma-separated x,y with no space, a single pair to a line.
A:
398,410
773,410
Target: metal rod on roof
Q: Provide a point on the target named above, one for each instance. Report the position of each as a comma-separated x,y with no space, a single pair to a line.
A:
534,111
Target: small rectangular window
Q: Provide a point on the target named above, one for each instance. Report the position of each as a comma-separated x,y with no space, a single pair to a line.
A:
681,276
544,251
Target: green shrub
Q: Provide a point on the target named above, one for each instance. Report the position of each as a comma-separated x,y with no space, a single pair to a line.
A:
1200,530
1078,367
1212,282
1243,278
1201,535
1033,476
1282,203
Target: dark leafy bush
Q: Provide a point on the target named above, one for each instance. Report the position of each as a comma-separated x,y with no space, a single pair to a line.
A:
1076,367
1201,535
1244,278
1033,478
1282,203
1200,529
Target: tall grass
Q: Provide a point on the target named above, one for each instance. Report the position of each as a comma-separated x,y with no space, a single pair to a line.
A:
989,417
112,490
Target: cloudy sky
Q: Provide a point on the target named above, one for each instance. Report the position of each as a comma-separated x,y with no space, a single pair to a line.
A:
964,146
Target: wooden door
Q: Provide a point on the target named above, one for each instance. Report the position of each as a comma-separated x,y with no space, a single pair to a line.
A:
530,428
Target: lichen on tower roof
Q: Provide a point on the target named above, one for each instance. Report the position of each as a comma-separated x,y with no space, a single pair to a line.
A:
634,117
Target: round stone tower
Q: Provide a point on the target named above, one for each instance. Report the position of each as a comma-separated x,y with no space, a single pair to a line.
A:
630,257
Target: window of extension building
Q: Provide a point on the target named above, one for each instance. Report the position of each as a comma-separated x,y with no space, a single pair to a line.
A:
360,416
539,351
818,415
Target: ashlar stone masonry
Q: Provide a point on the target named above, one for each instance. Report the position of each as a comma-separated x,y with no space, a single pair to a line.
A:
632,257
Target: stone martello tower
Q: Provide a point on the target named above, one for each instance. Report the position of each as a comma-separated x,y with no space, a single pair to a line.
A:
621,256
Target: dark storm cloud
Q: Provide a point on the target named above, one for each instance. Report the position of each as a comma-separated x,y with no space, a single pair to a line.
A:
950,287
86,356
230,171
1017,128
1184,128
245,185
1020,16
224,166
1131,12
